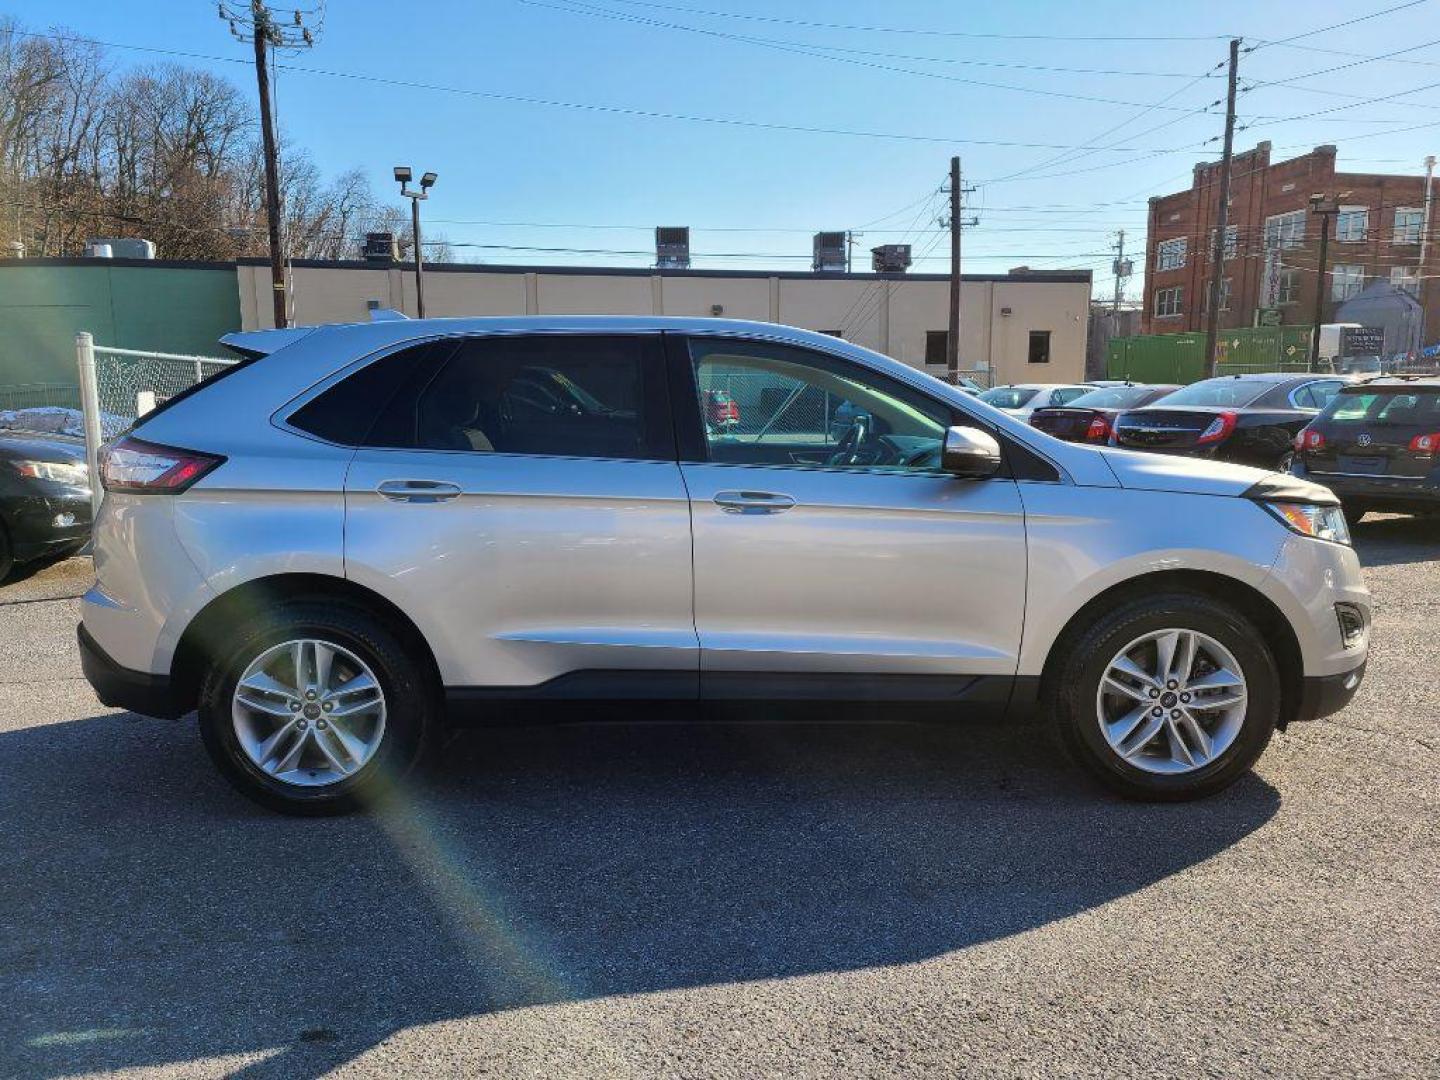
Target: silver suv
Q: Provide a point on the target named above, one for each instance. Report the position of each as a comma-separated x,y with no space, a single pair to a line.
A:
367,531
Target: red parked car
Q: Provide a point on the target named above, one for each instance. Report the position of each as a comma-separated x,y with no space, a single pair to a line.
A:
1090,417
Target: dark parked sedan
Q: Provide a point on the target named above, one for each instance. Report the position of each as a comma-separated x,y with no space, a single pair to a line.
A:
44,497
1377,446
1247,419
1090,416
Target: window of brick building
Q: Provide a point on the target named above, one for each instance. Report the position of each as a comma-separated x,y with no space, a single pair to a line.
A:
1408,221
1352,224
1170,254
1285,230
1289,288
1407,278
1169,301
1346,281
1224,296
1232,241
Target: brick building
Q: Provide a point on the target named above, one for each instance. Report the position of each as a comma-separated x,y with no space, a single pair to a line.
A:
1272,251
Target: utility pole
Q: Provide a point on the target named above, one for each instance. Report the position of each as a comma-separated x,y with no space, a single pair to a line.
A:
253,22
1122,271
1325,216
1222,218
952,337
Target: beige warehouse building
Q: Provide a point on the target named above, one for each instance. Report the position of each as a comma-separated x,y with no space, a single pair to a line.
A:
1024,326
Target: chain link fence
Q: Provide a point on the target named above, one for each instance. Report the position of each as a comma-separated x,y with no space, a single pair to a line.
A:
118,386
39,395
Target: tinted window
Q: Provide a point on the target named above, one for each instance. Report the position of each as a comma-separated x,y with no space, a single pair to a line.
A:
1008,397
1418,406
764,404
1068,394
346,412
1223,392
562,395
1112,397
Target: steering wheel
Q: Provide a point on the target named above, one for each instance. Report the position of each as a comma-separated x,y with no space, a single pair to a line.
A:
848,449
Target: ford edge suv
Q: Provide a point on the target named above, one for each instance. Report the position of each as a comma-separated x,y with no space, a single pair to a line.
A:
365,532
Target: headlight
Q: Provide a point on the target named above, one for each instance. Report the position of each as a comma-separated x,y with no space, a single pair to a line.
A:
1309,519
62,472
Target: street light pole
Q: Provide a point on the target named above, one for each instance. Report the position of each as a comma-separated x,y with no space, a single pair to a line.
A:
402,174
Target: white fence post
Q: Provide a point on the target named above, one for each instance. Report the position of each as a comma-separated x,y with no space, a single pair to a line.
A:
90,407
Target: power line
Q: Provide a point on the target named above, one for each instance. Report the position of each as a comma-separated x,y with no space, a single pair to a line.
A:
919,31
614,110
1338,25
574,7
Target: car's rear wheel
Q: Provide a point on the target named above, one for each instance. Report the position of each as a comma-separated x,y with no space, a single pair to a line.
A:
7,556
1167,698
317,708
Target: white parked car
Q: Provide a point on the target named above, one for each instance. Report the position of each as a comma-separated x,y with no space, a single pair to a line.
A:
1021,399
366,532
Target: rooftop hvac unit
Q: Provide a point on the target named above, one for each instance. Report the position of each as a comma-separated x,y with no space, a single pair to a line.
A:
830,253
672,247
380,247
890,258
123,248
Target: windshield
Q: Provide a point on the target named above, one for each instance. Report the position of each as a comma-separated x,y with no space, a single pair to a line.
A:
1401,405
1008,397
1224,392
1111,397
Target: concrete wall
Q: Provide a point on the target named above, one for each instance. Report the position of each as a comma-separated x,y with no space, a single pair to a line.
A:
131,304
891,314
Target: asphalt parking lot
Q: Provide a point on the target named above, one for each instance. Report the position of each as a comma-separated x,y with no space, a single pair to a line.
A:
725,900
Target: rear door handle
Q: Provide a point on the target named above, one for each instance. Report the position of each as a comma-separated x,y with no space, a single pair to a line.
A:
419,491
753,502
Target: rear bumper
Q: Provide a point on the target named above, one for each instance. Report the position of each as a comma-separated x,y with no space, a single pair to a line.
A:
1323,695
1391,490
122,688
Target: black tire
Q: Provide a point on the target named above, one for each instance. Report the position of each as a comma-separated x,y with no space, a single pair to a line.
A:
1074,683
412,706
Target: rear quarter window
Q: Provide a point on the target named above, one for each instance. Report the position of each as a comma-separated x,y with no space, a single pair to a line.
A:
346,412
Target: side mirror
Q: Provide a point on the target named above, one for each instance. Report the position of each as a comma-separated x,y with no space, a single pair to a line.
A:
970,453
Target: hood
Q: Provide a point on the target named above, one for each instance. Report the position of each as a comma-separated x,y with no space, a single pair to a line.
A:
1188,475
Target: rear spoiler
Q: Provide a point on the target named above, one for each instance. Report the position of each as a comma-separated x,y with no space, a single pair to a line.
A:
256,343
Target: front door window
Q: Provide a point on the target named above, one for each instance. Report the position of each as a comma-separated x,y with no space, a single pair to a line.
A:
764,404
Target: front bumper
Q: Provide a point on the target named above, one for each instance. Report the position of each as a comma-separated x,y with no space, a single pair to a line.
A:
42,525
122,688
1324,695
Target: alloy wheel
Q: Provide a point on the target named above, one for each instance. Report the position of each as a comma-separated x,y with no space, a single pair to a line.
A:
1172,701
308,712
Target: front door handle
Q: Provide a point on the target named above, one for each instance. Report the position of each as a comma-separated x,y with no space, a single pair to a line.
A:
753,502
419,491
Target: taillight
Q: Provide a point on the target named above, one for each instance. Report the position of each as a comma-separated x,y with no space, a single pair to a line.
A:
1308,439
1426,444
1098,430
131,464
1220,428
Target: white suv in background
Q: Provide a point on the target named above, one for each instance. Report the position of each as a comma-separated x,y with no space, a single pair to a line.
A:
1022,399
368,531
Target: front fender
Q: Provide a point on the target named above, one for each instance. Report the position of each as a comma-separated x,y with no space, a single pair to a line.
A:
1083,541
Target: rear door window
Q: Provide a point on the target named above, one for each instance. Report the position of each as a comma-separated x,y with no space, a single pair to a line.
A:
561,395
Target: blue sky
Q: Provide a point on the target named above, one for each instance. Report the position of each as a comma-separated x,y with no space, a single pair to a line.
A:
901,68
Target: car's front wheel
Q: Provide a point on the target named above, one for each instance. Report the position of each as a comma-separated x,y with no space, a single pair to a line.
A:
1168,697
316,707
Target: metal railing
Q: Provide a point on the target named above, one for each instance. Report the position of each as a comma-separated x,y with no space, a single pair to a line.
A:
118,386
39,395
